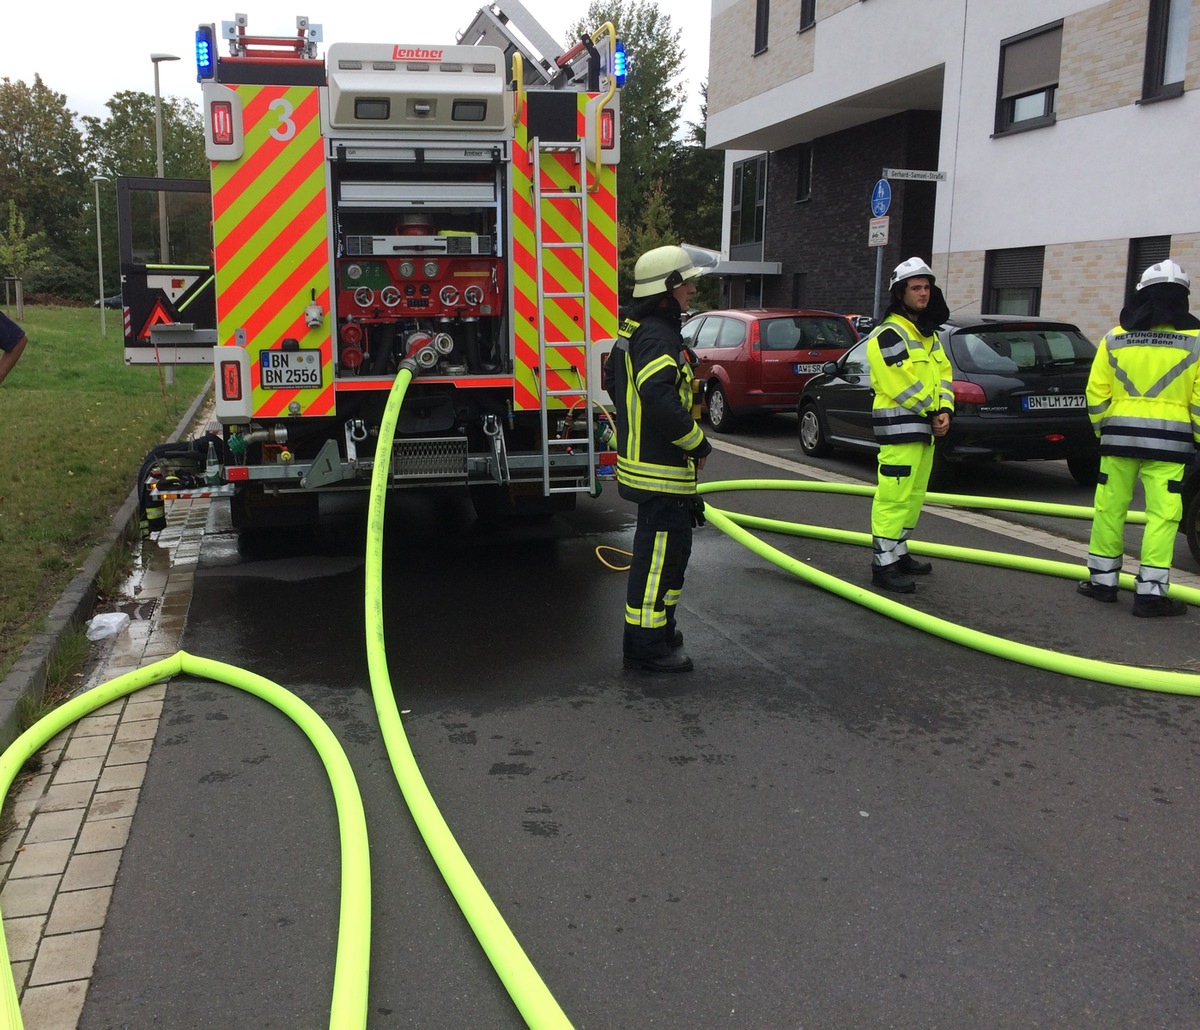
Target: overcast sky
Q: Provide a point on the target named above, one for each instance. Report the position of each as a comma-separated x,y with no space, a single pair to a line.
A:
90,54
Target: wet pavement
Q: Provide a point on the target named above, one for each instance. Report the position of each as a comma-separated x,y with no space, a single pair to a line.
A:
835,821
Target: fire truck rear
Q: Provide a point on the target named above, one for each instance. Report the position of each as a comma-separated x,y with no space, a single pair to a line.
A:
455,205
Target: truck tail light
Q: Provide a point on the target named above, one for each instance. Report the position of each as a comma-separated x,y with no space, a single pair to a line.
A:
231,381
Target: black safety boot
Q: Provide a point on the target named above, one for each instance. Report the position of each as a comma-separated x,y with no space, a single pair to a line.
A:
675,640
672,661
1097,592
911,567
888,577
1154,607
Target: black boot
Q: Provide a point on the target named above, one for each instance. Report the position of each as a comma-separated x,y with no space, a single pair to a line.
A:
672,661
889,577
1145,607
675,640
1097,592
911,567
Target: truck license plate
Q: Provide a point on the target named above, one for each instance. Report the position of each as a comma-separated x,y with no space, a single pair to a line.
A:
1054,401
290,369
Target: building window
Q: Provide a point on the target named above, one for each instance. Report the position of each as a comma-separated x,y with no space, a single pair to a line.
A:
762,17
749,200
1029,79
1166,49
799,289
1012,281
808,14
1144,252
804,162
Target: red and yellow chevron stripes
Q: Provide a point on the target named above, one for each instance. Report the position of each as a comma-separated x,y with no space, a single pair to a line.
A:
562,268
271,240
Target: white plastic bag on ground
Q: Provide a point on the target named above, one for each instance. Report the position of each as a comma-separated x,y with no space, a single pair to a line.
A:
105,625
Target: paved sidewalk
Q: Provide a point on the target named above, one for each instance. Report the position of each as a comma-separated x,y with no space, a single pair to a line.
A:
58,867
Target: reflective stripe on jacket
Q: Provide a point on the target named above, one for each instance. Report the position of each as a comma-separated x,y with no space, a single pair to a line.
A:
1143,393
911,377
651,388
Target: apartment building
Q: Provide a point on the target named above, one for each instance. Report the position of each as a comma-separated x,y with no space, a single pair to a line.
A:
1065,135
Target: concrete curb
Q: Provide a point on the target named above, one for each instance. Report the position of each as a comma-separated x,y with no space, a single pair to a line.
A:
27,677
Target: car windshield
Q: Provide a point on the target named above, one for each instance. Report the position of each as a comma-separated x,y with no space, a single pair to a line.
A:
806,332
1011,349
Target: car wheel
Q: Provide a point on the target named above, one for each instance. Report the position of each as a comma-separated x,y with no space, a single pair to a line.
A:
812,436
1190,526
720,416
1084,468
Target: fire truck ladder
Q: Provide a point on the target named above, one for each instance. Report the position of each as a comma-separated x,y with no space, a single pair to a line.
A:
564,439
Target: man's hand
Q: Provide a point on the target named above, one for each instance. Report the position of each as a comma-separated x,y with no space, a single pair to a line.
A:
941,423
700,462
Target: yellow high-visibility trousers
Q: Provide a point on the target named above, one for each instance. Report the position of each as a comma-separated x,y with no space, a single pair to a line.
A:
904,470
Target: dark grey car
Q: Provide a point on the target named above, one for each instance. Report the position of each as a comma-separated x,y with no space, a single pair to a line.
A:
1018,395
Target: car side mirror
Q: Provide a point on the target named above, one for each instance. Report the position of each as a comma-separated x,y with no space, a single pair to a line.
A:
829,368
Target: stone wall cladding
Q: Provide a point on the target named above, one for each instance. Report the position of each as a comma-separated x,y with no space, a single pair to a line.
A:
789,54
1082,282
1103,54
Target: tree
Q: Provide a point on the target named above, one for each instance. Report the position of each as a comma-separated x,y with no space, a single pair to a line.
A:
651,106
20,252
693,188
42,167
125,143
653,230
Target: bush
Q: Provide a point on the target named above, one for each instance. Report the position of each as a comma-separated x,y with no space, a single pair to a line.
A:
62,279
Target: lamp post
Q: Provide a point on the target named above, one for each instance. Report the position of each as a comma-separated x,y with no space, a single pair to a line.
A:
96,180
157,59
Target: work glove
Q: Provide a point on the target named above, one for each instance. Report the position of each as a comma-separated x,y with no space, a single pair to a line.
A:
698,519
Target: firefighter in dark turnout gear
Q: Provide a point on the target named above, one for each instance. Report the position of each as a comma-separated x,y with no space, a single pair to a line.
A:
1143,398
914,400
660,449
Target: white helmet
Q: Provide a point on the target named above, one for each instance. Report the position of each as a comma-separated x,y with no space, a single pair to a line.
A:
662,269
1165,272
912,267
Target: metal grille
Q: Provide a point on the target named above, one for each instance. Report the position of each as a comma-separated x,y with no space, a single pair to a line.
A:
415,459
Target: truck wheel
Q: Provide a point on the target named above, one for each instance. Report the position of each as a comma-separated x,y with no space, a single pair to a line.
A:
812,435
720,415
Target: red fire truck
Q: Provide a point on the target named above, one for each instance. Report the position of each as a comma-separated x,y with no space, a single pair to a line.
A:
455,205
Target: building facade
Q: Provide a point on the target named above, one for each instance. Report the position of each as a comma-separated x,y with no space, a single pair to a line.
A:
1066,132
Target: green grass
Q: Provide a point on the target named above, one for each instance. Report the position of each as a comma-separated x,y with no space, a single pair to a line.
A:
75,424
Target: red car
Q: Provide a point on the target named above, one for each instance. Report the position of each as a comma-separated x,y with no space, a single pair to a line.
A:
758,359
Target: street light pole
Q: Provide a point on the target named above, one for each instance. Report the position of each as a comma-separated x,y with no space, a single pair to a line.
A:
157,59
96,180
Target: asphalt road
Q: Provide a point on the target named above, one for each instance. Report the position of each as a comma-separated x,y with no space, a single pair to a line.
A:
835,821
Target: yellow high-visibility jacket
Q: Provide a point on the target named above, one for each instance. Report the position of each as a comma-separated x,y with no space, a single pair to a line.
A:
1143,393
911,377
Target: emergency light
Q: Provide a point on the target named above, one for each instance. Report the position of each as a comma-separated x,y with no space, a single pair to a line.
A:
206,64
619,63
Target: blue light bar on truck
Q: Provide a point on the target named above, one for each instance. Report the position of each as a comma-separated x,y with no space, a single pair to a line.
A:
206,53
619,64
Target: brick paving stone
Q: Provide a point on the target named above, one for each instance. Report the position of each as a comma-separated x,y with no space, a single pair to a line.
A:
40,859
66,795
79,910
62,825
96,869
55,1006
77,770
93,746
30,897
129,752
120,777
103,835
69,956
113,804
22,934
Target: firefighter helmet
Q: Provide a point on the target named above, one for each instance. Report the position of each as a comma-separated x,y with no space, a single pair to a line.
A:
914,266
662,269
1165,272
